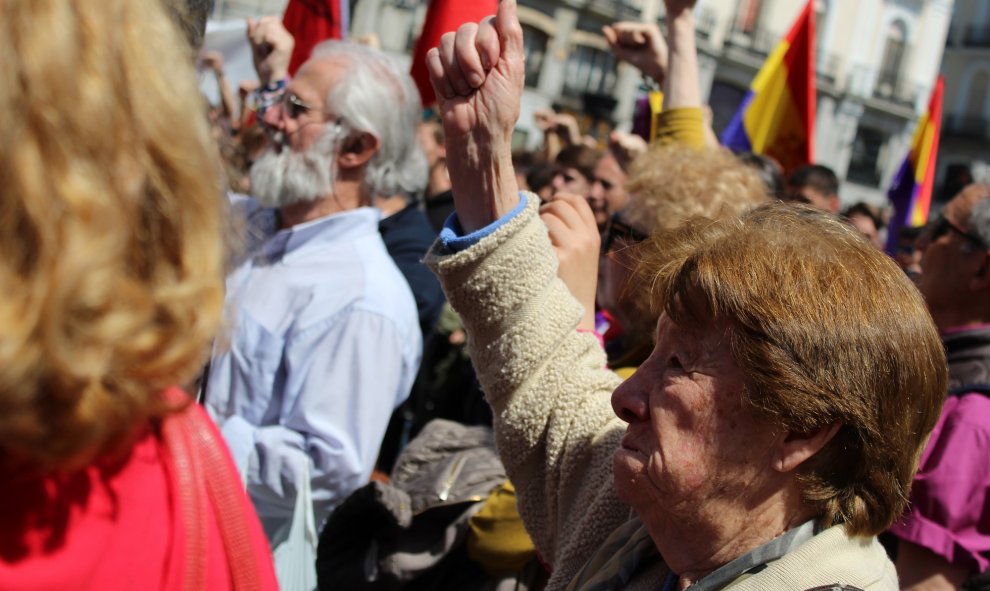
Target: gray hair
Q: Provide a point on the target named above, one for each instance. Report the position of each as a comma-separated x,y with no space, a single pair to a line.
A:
979,219
376,97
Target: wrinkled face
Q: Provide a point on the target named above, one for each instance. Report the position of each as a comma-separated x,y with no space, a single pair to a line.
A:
689,437
948,259
608,194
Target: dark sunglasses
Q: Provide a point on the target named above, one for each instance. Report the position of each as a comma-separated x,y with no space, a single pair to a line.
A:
943,225
617,229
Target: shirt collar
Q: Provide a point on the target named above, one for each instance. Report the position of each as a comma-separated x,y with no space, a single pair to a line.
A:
754,560
335,228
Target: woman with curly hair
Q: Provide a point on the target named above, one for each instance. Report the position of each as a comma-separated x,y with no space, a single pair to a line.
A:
111,266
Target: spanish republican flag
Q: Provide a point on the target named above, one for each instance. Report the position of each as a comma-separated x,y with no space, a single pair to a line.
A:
911,191
443,16
313,21
777,116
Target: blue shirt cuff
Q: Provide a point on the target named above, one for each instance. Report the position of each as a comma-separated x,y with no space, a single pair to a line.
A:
451,235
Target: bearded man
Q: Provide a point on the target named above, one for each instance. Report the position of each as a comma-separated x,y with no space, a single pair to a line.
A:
324,339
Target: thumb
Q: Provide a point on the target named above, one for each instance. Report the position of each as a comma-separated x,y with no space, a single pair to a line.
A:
509,30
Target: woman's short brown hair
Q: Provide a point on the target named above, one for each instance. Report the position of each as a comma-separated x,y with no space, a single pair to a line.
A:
110,226
827,329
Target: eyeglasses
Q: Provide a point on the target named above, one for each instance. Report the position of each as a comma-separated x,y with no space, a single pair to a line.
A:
942,225
617,229
295,108
291,105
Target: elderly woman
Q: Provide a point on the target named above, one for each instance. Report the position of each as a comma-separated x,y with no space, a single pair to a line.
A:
111,266
771,434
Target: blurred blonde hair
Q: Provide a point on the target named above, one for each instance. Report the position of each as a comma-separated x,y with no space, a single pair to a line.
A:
670,184
110,226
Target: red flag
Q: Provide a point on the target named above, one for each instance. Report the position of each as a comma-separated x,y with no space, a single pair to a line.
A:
442,17
313,21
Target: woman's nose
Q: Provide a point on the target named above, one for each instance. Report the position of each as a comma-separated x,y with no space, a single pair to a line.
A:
630,400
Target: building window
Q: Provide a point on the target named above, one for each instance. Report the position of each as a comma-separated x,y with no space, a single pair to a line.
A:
535,45
865,159
893,58
589,70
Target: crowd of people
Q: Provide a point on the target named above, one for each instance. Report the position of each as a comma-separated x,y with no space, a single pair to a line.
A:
310,337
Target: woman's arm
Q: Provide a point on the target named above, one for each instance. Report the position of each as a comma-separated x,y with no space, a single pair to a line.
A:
546,382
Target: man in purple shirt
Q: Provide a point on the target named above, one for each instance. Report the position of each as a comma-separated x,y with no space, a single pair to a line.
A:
944,538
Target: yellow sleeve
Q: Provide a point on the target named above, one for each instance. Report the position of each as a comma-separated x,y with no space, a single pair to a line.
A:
683,126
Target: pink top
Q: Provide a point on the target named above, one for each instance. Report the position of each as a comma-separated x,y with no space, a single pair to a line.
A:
113,525
950,508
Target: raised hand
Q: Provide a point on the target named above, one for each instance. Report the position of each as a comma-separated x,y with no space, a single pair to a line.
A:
640,44
574,235
478,75
271,47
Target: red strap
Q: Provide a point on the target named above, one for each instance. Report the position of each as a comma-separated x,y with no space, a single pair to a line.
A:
227,495
201,466
190,502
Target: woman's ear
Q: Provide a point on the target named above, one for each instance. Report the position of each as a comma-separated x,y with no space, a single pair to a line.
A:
795,447
356,150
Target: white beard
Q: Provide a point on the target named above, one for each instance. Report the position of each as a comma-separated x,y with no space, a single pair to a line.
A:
282,178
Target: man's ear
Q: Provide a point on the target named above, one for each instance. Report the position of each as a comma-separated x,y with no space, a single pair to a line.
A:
356,150
795,448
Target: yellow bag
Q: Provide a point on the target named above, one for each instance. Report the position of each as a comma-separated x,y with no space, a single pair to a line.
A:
497,540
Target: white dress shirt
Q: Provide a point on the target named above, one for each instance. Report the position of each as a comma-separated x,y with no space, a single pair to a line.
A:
323,342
